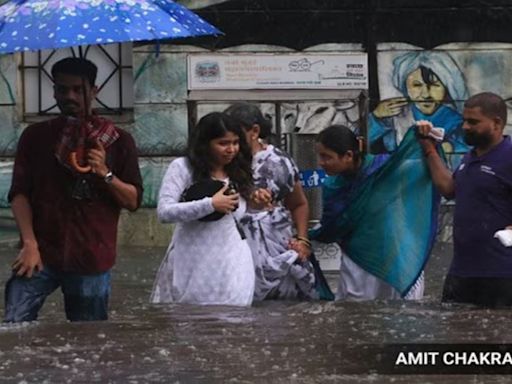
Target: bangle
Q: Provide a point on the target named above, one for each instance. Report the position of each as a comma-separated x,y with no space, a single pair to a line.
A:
304,240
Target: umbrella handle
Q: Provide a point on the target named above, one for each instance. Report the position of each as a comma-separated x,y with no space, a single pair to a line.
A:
73,160
77,157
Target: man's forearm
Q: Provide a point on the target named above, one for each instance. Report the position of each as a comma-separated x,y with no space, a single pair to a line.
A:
125,194
441,175
22,212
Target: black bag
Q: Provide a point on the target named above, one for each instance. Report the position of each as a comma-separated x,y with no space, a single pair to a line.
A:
206,188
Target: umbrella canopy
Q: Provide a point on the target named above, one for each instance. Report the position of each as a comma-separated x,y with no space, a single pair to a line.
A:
30,25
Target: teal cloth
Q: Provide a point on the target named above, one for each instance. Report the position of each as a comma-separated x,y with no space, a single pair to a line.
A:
384,218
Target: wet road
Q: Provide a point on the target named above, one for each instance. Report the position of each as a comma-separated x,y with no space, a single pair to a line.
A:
273,342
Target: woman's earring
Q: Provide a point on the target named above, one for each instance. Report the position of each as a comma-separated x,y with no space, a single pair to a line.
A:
360,141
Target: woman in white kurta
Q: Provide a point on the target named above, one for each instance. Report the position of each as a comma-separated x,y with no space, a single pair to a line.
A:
207,262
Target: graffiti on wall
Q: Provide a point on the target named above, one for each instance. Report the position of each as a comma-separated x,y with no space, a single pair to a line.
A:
312,117
7,74
307,117
432,85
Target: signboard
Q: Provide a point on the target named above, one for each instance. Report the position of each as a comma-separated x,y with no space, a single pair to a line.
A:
311,178
278,71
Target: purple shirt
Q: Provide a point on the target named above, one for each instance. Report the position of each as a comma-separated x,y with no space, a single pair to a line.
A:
483,192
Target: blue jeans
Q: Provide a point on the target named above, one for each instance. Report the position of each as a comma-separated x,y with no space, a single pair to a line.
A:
85,296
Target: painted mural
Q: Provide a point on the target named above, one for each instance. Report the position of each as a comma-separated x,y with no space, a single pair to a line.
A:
302,117
7,90
432,85
313,117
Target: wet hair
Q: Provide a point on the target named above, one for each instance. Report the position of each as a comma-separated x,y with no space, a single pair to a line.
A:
340,139
213,126
248,115
490,104
76,66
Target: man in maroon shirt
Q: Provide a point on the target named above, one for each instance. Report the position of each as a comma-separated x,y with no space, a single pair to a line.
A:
72,175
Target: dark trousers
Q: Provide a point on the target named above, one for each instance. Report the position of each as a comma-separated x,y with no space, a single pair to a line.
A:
85,296
490,292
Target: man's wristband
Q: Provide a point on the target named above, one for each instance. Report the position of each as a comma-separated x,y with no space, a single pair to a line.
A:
108,177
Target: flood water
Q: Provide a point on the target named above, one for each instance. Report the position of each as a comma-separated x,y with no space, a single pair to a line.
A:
273,342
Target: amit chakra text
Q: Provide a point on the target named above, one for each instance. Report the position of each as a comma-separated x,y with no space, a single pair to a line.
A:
489,358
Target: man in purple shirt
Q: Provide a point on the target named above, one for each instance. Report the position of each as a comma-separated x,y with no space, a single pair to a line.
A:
481,269
72,175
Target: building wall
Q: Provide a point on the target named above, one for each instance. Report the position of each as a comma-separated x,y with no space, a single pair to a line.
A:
160,125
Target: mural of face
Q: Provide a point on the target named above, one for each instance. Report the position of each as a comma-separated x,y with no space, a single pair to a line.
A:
427,96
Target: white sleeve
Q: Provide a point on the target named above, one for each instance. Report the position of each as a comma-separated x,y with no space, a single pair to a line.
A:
170,210
241,210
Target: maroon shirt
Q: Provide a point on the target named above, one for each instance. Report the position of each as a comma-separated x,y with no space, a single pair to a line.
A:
77,236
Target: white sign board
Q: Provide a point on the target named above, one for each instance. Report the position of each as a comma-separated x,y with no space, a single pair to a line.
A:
278,71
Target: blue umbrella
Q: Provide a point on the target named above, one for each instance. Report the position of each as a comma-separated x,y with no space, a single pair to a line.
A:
30,25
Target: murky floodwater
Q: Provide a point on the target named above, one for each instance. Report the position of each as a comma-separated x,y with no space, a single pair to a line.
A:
271,342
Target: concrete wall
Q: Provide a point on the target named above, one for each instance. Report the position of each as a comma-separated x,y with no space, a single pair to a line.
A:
160,113
160,120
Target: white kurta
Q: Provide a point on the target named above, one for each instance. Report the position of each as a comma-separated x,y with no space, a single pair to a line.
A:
206,262
355,284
